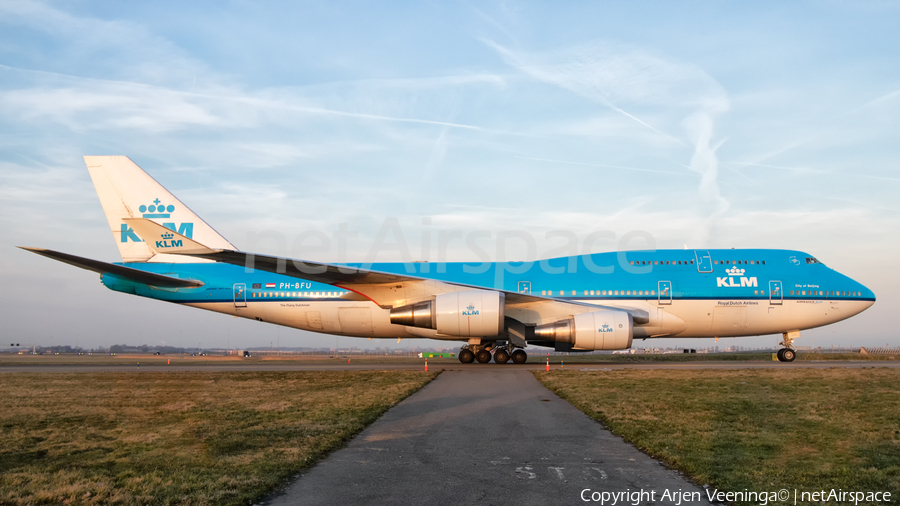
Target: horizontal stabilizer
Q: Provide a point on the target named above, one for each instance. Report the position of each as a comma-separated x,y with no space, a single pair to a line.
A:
162,239
148,278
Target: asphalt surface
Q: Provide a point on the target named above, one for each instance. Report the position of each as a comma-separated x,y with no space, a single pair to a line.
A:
535,363
483,435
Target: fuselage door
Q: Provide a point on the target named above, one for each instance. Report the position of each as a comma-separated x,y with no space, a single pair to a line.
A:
704,261
775,293
524,286
665,292
240,295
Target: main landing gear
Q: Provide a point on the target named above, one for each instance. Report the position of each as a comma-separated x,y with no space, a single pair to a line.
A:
787,354
482,353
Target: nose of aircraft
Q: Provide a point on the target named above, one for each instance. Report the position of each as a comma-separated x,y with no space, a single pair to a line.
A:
867,298
867,294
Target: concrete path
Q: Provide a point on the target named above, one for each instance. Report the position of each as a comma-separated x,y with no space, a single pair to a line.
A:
483,435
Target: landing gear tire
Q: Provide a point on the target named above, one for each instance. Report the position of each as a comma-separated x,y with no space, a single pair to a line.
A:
780,354
788,355
501,356
483,356
519,357
466,356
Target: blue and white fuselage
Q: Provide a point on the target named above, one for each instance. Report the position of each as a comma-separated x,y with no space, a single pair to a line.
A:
728,293
590,302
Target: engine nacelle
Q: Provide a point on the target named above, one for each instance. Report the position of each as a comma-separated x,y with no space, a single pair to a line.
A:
598,330
471,313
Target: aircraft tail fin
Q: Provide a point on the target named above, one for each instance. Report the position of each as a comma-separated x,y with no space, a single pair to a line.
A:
126,191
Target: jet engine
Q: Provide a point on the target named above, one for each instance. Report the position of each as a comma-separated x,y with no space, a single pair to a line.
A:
470,313
598,330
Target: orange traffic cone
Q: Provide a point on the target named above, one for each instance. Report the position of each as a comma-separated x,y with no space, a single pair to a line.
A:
348,360
548,363
426,365
169,361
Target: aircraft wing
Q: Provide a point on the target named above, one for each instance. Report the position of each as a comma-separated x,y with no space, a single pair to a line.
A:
148,278
384,288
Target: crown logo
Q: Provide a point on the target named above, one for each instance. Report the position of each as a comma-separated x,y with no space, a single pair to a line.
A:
471,307
156,210
166,236
734,271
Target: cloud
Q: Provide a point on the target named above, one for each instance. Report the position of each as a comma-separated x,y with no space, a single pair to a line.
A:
111,74
619,76
612,74
85,103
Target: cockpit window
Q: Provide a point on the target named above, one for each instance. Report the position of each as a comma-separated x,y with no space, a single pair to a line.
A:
811,260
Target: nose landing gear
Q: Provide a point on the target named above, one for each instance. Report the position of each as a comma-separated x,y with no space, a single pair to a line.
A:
787,354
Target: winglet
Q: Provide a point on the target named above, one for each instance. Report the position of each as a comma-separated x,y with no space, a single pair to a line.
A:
161,239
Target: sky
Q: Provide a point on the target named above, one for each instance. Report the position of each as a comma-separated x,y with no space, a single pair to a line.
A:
655,124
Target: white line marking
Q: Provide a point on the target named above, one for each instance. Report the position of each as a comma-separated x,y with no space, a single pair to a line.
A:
524,473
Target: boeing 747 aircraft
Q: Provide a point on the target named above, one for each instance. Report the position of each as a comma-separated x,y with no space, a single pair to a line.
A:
591,302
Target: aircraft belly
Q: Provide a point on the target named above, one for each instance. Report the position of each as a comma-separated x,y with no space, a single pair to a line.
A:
682,318
354,319
707,318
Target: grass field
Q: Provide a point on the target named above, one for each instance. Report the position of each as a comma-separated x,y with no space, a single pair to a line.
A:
178,438
581,358
536,356
808,429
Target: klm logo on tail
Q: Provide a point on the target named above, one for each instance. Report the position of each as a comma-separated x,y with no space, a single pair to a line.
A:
728,281
157,210
167,242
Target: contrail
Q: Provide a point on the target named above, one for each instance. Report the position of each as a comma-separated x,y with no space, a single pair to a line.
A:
603,166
